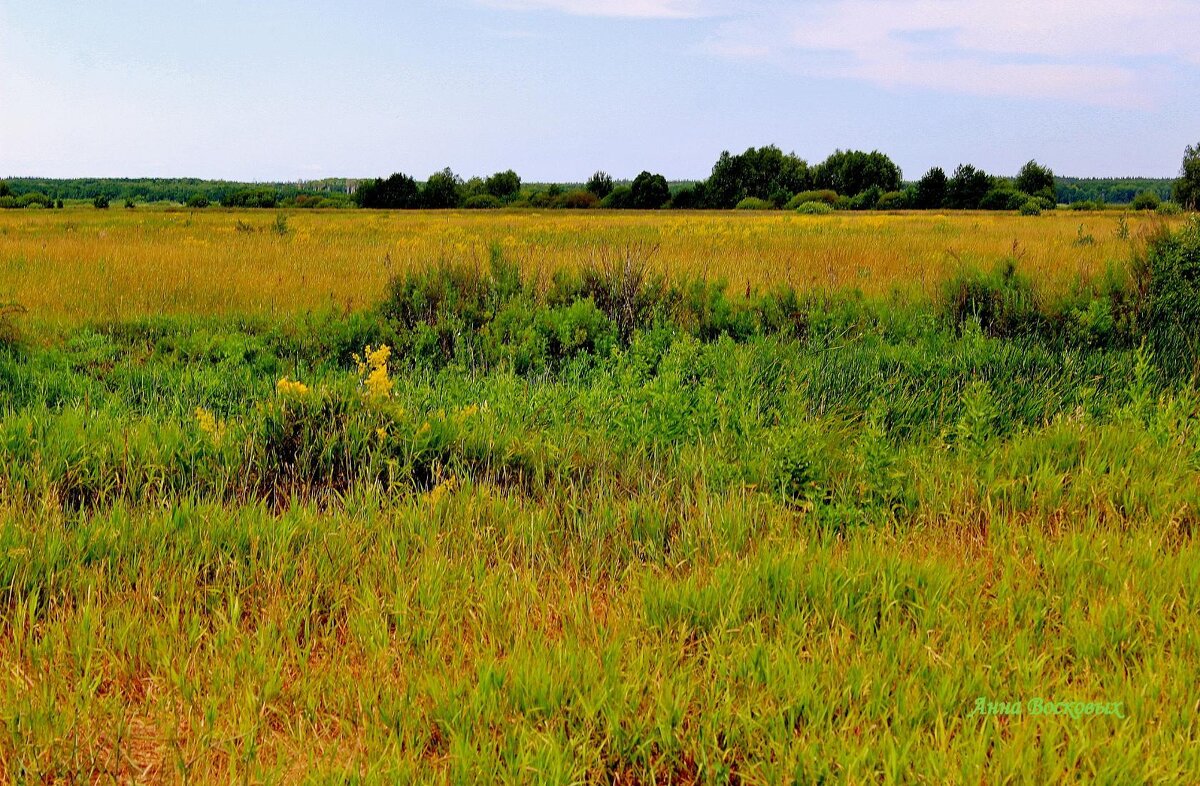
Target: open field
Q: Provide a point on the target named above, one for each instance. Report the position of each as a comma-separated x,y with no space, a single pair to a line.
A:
84,265
598,528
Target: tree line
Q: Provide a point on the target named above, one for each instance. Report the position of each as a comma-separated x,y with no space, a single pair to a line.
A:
767,178
758,179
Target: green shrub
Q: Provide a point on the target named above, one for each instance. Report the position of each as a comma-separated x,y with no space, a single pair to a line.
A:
1031,207
826,196
754,203
1003,302
814,209
100,202
10,332
198,201
1169,209
483,202
579,200
620,198
1171,310
1147,200
1003,199
1083,205
894,200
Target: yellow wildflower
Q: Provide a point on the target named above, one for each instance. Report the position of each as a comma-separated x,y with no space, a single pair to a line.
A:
209,424
373,371
286,387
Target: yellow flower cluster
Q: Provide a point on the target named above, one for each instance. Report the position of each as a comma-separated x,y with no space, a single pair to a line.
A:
373,371
441,490
286,387
210,425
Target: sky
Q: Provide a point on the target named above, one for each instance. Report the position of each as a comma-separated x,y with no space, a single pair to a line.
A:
556,89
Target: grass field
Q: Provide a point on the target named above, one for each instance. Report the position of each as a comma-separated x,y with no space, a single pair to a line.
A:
596,527
85,265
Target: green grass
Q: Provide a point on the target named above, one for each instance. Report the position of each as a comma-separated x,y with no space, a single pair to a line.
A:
772,542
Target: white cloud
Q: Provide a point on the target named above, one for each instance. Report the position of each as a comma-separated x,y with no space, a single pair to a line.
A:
1108,52
636,9
1103,52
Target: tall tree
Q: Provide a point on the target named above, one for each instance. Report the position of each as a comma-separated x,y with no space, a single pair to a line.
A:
851,172
763,173
398,192
442,190
649,192
1187,187
931,190
1037,180
504,185
967,188
600,184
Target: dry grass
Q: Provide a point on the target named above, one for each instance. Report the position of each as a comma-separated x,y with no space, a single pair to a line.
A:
74,266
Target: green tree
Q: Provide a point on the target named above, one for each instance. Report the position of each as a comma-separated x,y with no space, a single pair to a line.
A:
4,189
398,192
851,172
1036,180
759,173
967,188
649,192
504,185
931,190
1187,187
442,190
600,184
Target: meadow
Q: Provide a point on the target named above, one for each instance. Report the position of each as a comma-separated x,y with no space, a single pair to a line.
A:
84,265
641,498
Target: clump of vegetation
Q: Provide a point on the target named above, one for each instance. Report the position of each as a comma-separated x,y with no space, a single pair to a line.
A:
1002,303
754,203
1147,200
814,208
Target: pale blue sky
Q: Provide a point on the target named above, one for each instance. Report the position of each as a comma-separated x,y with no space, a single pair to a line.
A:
276,90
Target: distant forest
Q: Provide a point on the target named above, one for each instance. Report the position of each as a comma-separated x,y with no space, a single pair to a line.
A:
331,192
759,178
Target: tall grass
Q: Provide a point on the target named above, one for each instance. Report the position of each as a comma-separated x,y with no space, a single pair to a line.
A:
607,525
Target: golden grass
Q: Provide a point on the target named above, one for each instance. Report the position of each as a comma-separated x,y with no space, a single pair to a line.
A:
79,265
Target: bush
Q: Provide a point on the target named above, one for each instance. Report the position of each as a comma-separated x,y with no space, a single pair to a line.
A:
1003,199
893,200
1169,209
621,198
198,201
826,196
1147,200
1084,205
579,200
1031,208
689,197
1171,309
867,200
814,209
754,203
129,204
483,202
10,332
1002,301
